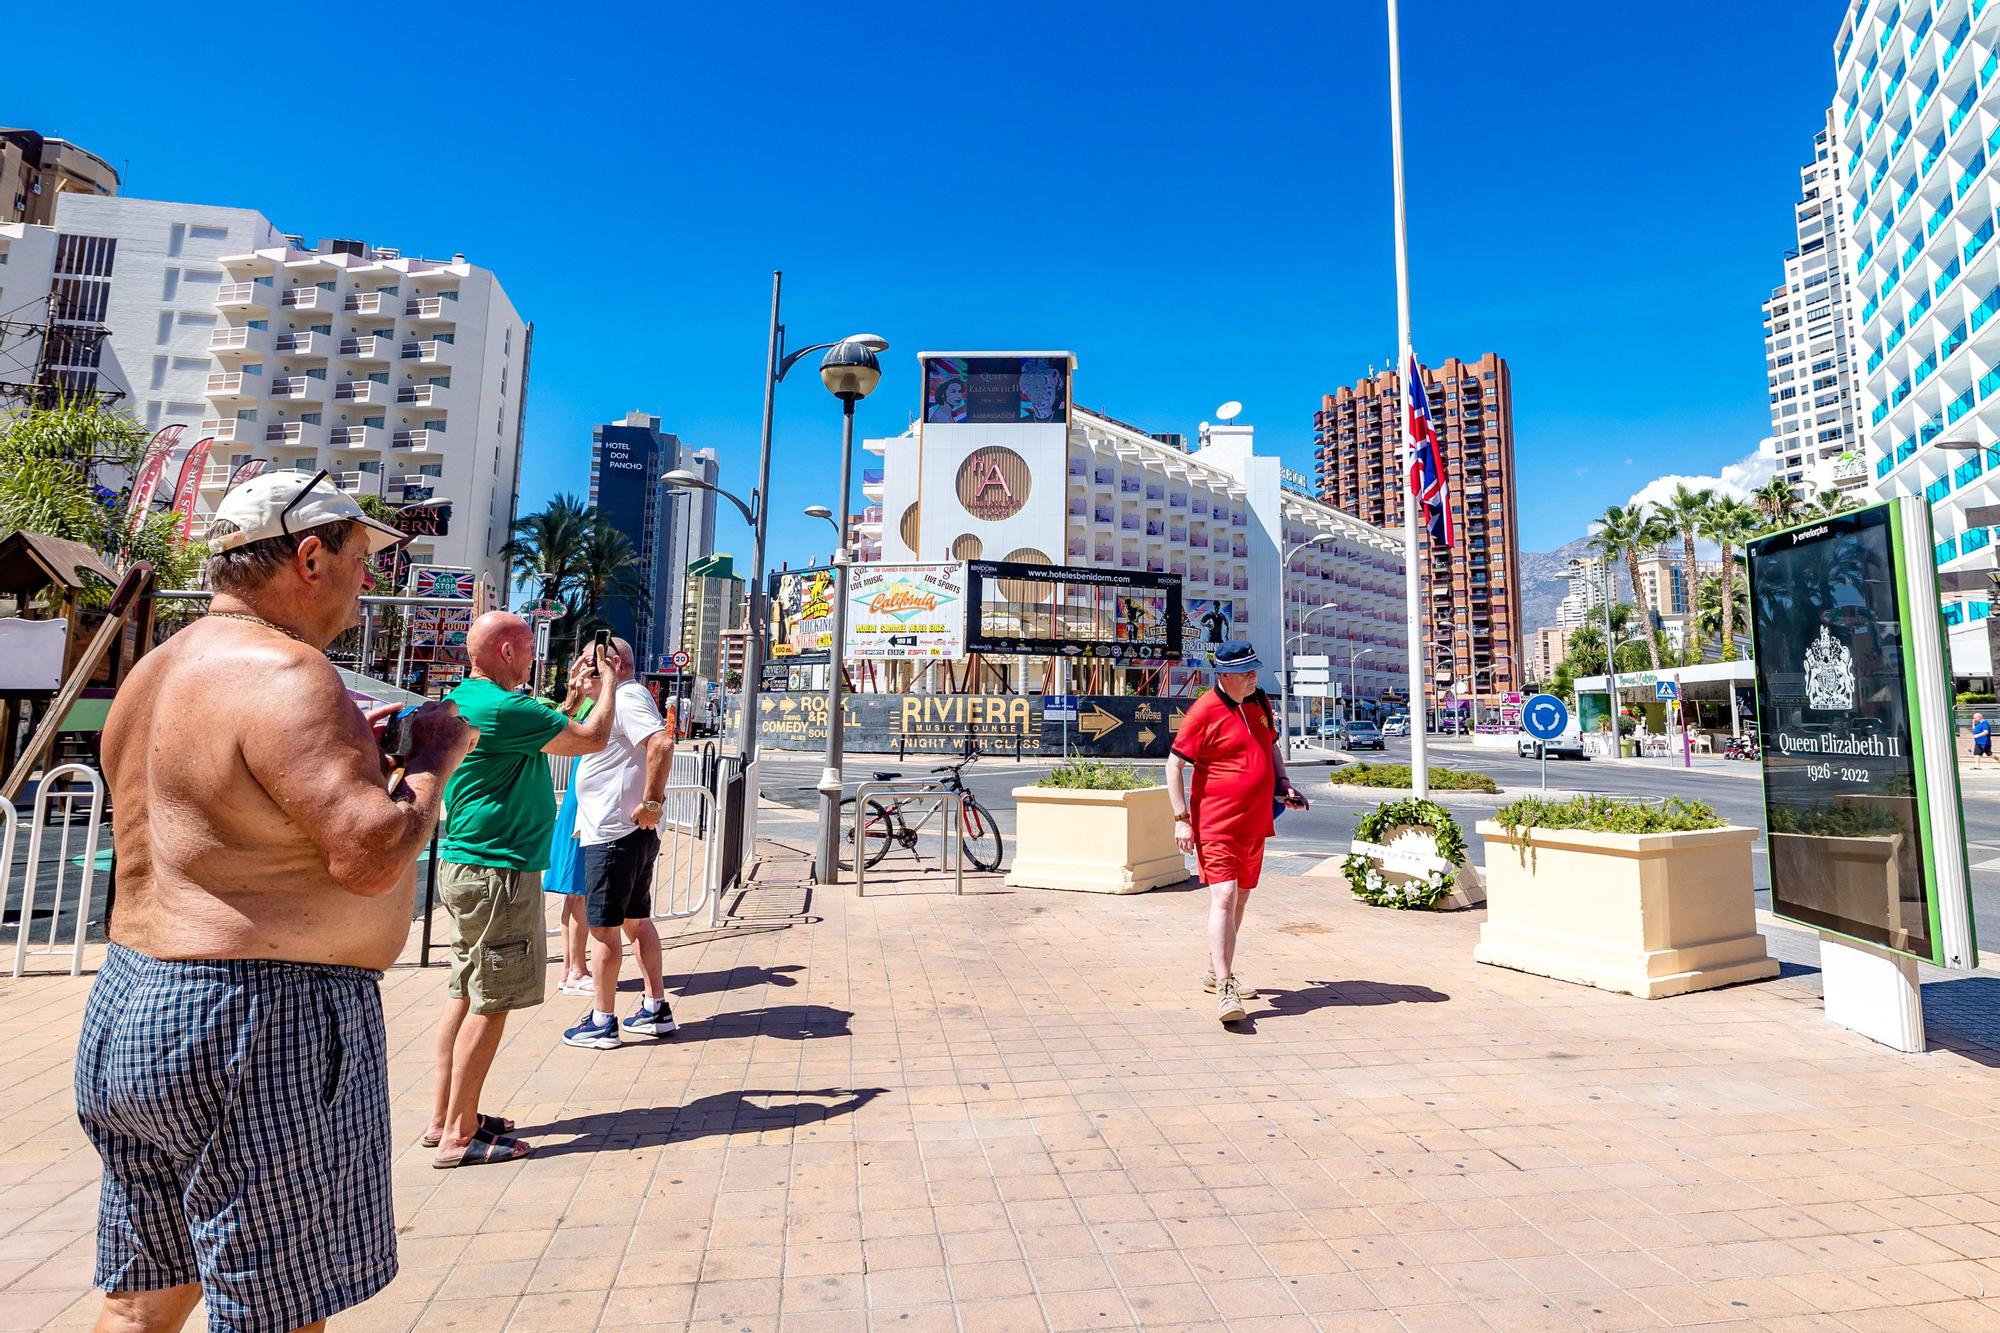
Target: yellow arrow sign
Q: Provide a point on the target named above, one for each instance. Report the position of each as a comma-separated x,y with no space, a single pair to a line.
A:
1147,735
1174,721
1097,723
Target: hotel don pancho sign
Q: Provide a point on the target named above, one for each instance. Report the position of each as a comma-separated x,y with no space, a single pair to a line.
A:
906,612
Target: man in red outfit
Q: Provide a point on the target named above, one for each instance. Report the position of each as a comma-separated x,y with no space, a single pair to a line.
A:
1224,815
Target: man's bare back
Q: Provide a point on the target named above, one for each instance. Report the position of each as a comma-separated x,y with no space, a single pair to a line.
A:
225,749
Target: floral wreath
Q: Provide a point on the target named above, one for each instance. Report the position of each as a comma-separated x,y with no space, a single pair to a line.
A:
1372,886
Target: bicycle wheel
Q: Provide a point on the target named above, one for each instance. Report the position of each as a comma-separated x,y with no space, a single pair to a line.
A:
982,835
877,833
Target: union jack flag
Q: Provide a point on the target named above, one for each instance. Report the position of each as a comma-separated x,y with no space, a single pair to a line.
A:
1426,464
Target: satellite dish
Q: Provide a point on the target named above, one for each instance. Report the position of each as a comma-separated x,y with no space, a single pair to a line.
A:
1229,411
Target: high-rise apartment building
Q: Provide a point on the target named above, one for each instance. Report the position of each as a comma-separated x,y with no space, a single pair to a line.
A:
36,170
1472,590
711,604
402,377
1589,576
1807,361
668,528
1546,648
1917,97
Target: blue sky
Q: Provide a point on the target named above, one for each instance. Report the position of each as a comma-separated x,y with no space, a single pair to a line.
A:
1200,210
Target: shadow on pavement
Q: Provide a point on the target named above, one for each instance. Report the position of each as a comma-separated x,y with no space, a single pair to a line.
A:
788,1022
1327,994
744,1111
737,978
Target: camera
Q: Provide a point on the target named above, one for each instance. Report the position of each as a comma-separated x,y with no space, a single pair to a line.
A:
396,737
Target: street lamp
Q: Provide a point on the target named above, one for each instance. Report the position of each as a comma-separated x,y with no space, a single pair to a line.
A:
1285,661
1352,654
850,372
1285,644
822,512
777,363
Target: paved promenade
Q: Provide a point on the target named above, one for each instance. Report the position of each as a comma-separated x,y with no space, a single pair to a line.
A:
1015,1111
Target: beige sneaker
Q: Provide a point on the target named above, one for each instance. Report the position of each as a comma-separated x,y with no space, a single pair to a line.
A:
1229,1002
1247,992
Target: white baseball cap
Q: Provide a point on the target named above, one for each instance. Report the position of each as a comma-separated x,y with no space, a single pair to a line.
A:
279,504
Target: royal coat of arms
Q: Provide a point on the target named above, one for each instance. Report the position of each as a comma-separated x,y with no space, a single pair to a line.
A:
1829,671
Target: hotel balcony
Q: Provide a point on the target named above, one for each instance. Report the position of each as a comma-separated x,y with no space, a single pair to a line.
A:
236,343
358,483
428,351
362,392
431,310
220,429
871,483
304,344
295,434
423,395
383,304
250,298
306,299
358,437
367,349
420,441
299,389
231,386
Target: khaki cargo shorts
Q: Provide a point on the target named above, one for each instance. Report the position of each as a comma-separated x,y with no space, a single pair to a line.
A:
499,953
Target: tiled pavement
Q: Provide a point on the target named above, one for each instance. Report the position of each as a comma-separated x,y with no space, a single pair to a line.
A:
1015,1111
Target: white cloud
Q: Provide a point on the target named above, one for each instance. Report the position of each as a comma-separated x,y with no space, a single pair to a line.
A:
1736,479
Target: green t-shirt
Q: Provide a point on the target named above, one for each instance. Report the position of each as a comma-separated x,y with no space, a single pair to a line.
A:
501,803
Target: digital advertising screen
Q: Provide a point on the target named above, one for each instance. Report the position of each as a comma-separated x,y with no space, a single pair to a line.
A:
1860,782
1057,611
993,389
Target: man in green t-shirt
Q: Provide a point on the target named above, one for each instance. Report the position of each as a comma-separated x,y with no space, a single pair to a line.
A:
500,810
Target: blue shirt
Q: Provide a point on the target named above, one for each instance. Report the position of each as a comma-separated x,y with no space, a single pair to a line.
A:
1982,730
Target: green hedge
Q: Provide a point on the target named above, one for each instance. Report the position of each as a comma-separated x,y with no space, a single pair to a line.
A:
1398,775
1096,775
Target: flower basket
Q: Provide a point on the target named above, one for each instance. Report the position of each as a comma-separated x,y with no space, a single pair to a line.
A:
1410,855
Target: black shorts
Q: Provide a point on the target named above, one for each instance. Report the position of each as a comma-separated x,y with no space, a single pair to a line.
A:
618,878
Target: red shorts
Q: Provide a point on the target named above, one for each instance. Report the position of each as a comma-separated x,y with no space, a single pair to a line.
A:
1221,859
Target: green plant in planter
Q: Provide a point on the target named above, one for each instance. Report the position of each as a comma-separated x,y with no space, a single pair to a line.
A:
1096,775
1842,819
1366,878
1606,814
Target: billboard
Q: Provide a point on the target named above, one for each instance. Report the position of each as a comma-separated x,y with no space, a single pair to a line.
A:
906,612
801,629
1210,622
1058,611
1853,706
960,390
1126,726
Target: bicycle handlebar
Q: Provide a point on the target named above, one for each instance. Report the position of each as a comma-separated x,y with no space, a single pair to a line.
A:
972,752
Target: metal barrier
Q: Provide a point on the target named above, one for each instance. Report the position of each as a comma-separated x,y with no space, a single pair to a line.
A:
45,795
953,834
686,875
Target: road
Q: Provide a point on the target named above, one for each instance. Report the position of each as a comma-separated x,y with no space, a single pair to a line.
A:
1307,837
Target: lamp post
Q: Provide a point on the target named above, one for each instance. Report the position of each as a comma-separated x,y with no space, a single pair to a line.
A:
850,373
822,512
1285,660
1284,645
1486,671
1352,654
777,363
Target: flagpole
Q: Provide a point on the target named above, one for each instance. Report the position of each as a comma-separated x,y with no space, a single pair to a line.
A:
1420,777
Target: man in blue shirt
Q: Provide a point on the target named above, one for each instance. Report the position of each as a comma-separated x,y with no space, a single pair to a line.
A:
1982,737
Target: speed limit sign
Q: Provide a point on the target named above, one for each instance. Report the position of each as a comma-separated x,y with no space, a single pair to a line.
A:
681,659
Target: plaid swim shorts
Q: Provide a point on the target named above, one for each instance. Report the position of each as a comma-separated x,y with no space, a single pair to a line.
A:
242,1111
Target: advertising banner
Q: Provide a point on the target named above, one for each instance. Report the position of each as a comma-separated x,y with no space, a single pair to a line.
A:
962,390
146,482
1853,707
1059,611
801,602
906,612
188,488
1107,726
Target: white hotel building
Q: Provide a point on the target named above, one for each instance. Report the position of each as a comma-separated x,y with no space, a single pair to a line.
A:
403,377
1917,111
1220,516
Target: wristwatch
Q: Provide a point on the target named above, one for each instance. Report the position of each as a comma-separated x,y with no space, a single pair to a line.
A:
654,806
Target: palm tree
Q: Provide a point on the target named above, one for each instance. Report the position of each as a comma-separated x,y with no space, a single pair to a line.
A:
604,571
1623,530
1775,500
546,549
1684,512
1830,502
1714,613
1729,524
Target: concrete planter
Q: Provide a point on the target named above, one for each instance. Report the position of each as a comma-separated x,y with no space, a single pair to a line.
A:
1094,841
1649,914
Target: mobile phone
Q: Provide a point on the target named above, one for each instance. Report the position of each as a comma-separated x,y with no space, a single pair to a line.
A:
396,737
601,641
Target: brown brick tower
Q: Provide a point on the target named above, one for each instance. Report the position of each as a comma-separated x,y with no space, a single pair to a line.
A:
1473,591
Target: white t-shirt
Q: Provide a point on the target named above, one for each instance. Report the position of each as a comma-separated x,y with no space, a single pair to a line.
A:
611,783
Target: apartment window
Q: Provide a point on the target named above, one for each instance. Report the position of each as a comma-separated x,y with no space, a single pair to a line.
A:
209,233
170,284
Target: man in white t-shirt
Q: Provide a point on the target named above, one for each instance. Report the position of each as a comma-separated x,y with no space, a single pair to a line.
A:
618,792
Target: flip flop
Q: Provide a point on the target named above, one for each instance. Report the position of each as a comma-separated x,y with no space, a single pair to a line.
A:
488,1124
485,1150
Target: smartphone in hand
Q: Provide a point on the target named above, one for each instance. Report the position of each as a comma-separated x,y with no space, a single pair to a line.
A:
396,735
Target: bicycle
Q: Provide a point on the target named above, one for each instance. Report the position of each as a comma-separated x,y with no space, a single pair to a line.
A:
886,823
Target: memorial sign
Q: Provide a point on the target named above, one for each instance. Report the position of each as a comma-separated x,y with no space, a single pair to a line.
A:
1854,707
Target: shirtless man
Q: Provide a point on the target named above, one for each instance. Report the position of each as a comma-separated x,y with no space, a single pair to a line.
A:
232,1071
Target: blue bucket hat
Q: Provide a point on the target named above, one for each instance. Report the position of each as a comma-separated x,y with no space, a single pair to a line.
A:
1235,655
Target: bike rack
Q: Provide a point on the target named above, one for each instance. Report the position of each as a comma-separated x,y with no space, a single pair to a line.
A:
91,787
953,835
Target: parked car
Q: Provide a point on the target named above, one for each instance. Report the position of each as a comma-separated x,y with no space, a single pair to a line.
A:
1569,745
1399,725
1359,735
